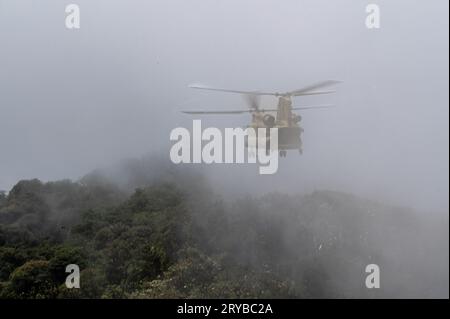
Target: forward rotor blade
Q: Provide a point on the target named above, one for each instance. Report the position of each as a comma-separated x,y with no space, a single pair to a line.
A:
217,112
326,106
313,107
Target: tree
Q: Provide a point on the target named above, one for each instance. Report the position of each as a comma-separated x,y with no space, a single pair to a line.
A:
64,256
33,280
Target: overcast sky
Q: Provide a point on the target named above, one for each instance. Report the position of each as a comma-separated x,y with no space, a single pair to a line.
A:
74,100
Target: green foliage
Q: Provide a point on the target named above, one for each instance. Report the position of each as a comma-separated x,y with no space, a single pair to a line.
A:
11,258
62,257
2,198
32,280
166,242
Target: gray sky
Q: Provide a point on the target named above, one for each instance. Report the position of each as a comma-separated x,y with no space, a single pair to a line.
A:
74,100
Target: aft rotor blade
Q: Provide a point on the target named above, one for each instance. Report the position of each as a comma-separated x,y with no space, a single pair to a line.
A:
314,93
309,90
230,91
312,87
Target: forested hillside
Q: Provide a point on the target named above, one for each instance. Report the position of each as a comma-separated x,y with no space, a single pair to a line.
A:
172,237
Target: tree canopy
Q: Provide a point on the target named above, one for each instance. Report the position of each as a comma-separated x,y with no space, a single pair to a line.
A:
166,240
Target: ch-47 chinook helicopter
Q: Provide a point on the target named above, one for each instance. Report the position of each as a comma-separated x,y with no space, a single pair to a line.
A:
287,122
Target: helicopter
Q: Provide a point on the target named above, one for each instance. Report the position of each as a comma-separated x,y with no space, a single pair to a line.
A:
285,120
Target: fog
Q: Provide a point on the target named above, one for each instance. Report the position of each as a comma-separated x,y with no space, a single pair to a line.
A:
75,100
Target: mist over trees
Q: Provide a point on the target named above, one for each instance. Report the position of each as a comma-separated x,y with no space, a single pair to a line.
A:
152,230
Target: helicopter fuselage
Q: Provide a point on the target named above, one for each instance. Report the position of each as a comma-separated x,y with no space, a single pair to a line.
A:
287,123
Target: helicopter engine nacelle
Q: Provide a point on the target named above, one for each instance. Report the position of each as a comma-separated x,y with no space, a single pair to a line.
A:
269,120
297,118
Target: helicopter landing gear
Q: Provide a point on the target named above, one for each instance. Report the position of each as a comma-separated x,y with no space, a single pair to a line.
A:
283,153
300,151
